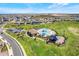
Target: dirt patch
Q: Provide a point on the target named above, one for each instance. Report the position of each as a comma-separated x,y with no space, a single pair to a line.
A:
5,53
74,30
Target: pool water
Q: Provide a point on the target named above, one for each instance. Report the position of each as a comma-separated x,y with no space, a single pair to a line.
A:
45,32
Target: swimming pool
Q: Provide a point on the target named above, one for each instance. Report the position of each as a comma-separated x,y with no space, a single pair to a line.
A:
46,32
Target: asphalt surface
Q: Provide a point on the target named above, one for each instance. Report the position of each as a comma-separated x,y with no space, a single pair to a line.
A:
17,51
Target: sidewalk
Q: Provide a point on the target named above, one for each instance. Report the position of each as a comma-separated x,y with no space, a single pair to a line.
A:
17,42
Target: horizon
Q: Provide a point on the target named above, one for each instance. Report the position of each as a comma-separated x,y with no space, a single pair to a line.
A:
36,13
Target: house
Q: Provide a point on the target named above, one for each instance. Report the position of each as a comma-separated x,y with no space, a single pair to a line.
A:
36,22
14,30
38,18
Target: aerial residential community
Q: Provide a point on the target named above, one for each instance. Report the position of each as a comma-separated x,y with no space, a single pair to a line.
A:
39,34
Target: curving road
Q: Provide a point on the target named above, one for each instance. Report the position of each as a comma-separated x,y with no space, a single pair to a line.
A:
17,51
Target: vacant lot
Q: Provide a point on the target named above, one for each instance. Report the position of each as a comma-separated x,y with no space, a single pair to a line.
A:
40,48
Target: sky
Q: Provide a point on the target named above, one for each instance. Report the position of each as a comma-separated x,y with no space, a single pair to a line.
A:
12,8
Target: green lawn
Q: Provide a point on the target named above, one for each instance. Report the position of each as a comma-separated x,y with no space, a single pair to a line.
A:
40,48
0,40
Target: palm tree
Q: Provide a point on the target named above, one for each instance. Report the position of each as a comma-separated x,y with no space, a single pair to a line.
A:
4,48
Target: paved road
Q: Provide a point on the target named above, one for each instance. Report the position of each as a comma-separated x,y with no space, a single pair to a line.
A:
17,51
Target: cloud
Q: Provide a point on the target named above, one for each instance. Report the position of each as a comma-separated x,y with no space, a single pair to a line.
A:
57,5
66,9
